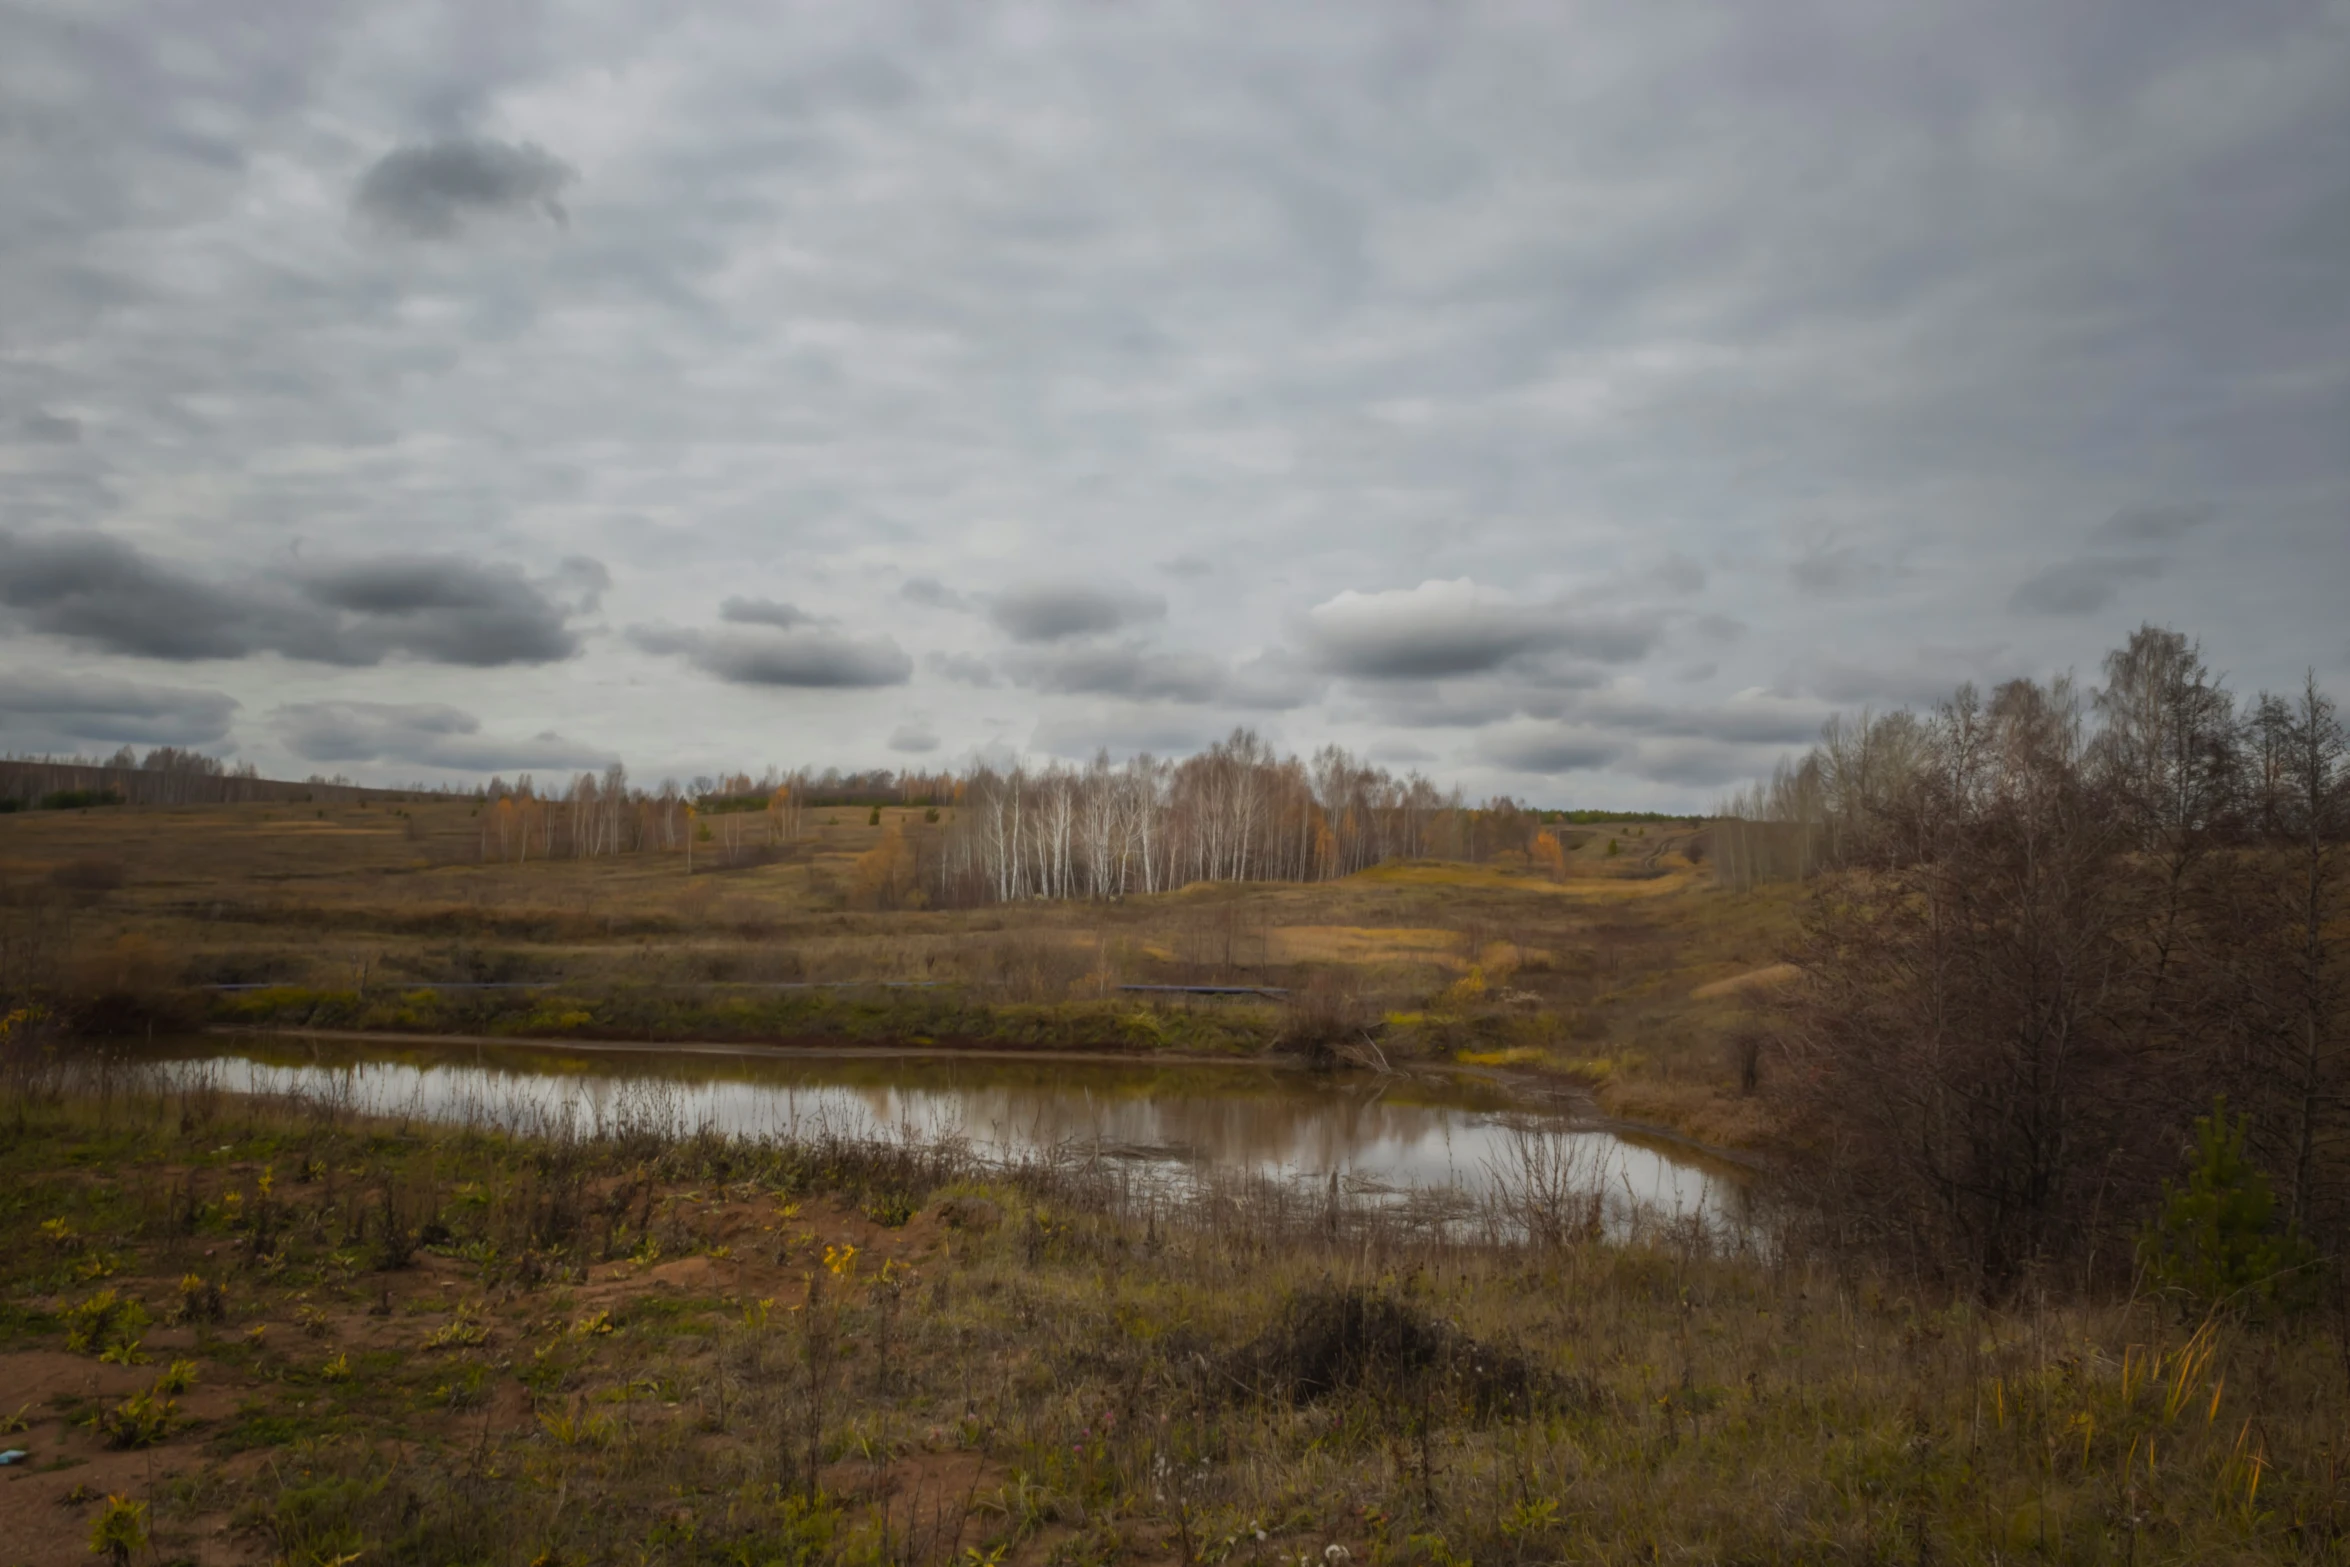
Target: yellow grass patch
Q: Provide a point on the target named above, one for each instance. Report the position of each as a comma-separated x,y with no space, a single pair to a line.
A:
1588,888
1359,943
1446,873
1515,1055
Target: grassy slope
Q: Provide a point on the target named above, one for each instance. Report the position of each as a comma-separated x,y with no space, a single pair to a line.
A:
621,1352
351,906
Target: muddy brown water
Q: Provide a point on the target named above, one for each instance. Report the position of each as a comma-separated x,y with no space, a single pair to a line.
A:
1417,1135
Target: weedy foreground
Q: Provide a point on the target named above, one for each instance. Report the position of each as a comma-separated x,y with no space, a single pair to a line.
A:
237,1330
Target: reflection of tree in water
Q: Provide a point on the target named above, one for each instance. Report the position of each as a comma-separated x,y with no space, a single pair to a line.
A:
1243,1118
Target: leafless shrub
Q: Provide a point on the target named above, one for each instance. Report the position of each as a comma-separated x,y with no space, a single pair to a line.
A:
1326,1022
1550,1188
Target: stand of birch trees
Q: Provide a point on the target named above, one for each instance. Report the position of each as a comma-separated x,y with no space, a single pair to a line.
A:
1234,812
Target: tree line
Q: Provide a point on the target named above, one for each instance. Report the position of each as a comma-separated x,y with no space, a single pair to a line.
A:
2058,933
1235,812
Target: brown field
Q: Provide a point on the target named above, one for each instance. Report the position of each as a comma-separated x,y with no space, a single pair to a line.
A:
1625,974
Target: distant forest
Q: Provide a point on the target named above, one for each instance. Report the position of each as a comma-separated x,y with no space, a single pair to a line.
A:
1237,811
1234,812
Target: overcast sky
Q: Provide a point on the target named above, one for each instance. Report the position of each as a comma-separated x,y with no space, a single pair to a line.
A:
1573,402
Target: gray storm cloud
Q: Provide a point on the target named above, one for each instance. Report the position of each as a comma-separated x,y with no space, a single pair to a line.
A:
106,595
100,593
805,657
763,612
1443,629
1546,748
432,191
441,608
46,711
1053,611
1554,734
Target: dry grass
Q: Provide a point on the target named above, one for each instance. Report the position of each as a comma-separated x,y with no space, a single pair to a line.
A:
677,1349
1609,976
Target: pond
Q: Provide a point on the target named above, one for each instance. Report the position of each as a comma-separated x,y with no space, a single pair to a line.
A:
1379,1137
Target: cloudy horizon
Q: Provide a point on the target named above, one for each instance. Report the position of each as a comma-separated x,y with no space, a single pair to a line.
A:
1578,405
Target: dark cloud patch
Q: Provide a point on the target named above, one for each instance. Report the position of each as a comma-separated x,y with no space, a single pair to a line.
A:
913,739
433,191
764,612
1055,611
1188,567
2154,524
1750,718
1267,682
931,592
445,609
44,711
103,594
54,429
420,734
961,668
1440,630
1451,705
442,609
1609,731
2080,587
1559,750
2127,547
806,657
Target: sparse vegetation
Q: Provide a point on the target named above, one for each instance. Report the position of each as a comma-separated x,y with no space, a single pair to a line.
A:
1096,1374
348,921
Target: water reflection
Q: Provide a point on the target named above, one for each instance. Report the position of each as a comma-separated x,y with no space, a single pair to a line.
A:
1403,1136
